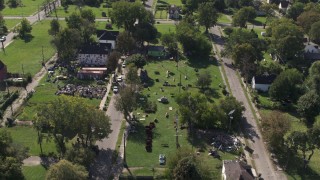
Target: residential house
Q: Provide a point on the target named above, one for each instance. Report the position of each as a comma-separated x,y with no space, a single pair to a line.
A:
262,82
157,51
312,52
174,12
105,37
94,54
92,73
3,71
283,6
237,170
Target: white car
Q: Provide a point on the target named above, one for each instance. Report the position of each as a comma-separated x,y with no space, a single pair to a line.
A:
162,159
115,89
119,79
123,65
3,38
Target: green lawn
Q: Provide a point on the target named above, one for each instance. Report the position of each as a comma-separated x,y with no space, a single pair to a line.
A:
258,31
27,55
161,14
260,20
164,132
28,8
224,19
34,172
10,23
165,28
175,2
73,8
27,136
45,92
102,25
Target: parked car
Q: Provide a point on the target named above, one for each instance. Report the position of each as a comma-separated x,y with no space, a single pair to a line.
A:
123,65
115,89
119,79
3,38
162,159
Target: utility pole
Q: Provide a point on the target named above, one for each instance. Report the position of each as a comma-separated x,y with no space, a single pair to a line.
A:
124,148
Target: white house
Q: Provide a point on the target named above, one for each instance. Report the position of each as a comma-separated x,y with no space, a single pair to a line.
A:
311,52
262,82
94,55
105,37
283,6
236,170
174,12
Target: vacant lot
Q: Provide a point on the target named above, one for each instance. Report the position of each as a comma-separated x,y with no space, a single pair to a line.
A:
27,8
25,56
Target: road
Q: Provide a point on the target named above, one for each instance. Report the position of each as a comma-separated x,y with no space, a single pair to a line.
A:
260,156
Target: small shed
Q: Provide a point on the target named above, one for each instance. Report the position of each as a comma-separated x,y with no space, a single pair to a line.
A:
157,51
262,82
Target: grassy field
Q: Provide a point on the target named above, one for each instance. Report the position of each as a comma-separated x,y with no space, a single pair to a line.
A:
28,54
258,31
164,132
161,14
28,8
97,11
27,136
34,172
175,2
165,28
10,23
260,20
224,19
45,92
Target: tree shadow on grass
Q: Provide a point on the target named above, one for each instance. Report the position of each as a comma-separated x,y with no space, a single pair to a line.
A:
210,93
27,38
139,136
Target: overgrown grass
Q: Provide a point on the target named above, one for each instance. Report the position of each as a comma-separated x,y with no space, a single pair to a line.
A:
34,172
28,137
25,56
97,11
28,8
170,2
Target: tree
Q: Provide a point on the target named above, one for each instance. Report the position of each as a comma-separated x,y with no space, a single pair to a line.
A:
24,28
193,42
145,32
80,155
243,3
208,15
295,10
307,18
67,117
275,125
244,56
309,105
67,43
125,14
244,15
138,60
125,43
3,27
170,41
2,4
287,85
269,9
11,156
84,23
87,14
195,110
314,33
132,76
54,27
66,170
314,69
204,79
113,60
126,102
185,165
286,39
234,110
14,3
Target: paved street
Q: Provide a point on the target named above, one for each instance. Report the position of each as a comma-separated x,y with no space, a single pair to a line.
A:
252,133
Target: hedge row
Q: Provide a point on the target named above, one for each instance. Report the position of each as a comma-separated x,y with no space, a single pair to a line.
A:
8,102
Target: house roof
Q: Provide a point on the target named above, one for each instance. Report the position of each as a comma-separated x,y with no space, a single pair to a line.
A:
237,170
96,49
284,4
107,35
2,65
156,48
311,56
173,8
265,79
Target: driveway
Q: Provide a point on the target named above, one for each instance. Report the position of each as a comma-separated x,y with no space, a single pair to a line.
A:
260,156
